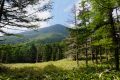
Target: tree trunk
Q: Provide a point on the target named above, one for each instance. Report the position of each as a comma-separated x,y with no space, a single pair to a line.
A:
2,55
115,39
86,54
77,58
37,57
93,56
43,55
96,56
57,54
106,52
100,54
52,57
6,60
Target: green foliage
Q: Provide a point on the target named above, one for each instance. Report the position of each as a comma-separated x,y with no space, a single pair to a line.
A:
31,52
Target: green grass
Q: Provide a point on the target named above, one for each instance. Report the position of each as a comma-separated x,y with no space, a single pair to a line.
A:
57,70
64,64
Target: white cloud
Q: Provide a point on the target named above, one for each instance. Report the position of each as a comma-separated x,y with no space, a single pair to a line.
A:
70,25
15,29
43,15
44,24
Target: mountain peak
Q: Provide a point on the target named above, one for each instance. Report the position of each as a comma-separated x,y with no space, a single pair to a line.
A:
58,25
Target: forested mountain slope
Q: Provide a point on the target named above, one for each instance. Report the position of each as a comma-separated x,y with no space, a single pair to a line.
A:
49,34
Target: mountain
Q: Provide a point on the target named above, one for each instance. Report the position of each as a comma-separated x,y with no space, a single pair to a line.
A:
52,33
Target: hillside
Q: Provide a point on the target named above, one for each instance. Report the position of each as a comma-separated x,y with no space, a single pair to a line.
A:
52,33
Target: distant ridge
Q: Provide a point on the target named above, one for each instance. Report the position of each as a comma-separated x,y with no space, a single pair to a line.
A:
52,33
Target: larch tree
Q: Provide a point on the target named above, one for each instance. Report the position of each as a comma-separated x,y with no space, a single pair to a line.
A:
99,28
105,10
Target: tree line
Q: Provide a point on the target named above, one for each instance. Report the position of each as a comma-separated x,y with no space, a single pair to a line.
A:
31,53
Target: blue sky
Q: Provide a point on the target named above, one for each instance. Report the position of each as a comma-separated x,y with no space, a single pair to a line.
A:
61,11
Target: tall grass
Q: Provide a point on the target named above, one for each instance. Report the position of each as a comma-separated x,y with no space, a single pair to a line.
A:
57,70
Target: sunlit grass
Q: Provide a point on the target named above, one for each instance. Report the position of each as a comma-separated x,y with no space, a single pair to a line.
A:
64,64
58,70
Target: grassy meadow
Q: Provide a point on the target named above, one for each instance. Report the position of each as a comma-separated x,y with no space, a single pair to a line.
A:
57,70
65,64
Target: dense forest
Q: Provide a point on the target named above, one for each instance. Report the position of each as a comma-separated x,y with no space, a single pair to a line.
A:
87,51
31,53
